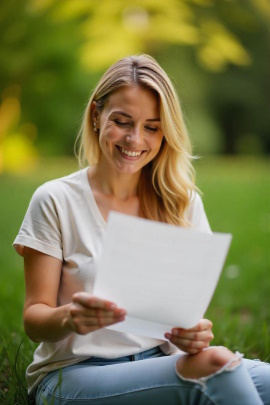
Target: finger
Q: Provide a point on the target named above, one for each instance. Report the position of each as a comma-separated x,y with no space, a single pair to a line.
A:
204,324
100,322
188,346
90,301
96,315
79,323
103,321
100,313
192,344
93,313
196,336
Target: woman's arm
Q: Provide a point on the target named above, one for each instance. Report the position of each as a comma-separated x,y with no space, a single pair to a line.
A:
43,320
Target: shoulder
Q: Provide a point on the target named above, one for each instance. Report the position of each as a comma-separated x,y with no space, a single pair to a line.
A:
195,213
61,188
195,202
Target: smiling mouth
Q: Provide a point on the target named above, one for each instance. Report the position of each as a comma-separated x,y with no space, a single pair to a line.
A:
130,153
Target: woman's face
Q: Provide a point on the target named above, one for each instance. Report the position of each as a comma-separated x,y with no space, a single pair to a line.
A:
130,134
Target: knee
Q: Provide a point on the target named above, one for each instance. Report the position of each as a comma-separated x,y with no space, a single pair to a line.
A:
218,357
205,363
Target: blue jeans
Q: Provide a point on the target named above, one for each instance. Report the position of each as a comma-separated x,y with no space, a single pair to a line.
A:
150,378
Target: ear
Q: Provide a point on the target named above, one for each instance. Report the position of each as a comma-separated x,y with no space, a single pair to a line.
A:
95,114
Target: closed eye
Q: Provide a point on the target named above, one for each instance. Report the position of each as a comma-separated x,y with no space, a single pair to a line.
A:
122,123
151,129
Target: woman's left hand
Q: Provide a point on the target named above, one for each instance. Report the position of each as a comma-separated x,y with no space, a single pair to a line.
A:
193,340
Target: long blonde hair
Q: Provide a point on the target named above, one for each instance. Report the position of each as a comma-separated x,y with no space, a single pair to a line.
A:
167,183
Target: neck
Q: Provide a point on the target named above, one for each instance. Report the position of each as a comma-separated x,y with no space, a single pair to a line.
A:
110,182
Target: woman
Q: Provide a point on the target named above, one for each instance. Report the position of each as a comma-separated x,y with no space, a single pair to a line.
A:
138,151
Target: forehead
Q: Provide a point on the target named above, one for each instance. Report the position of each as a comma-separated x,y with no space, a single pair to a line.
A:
135,98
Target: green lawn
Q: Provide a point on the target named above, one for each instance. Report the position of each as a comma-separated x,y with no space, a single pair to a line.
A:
236,194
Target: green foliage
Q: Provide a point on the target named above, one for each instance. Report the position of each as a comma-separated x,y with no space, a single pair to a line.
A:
237,200
54,52
145,24
16,149
40,57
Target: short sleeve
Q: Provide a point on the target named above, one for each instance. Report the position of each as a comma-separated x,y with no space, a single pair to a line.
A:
40,229
196,214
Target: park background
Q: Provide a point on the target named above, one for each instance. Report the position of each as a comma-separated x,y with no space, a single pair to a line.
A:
217,53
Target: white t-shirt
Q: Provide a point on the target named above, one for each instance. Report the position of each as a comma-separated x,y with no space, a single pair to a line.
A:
64,221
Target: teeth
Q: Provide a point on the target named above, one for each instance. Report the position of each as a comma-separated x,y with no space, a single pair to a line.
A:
129,153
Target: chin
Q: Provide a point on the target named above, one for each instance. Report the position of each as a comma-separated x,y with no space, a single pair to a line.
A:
128,169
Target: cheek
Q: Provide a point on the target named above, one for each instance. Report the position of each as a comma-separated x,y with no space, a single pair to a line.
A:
157,142
108,135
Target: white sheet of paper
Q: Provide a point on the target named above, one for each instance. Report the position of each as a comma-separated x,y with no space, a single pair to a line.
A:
163,275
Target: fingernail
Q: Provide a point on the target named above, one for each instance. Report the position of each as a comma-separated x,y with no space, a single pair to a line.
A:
175,332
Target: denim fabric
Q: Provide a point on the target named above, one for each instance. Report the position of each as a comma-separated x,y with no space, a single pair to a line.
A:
149,378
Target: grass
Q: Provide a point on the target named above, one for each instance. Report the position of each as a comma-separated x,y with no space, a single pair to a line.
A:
237,200
236,194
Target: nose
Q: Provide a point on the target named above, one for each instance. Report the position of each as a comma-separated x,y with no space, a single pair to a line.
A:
135,135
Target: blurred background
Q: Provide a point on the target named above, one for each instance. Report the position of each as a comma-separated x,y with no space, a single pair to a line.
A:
53,52
217,53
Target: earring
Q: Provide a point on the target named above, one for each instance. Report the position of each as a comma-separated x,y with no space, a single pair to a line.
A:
95,127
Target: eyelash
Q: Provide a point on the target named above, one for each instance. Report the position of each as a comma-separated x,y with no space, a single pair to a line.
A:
127,124
122,124
151,129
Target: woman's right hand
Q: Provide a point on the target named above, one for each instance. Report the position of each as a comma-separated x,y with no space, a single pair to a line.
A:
87,313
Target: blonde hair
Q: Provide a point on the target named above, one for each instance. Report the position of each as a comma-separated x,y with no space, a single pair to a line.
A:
167,183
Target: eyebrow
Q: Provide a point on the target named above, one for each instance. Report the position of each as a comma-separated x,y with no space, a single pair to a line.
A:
129,116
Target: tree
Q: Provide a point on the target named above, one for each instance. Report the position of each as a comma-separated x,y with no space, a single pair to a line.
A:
55,51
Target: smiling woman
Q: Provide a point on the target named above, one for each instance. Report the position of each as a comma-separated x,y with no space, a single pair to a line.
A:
138,157
133,131
130,134
138,85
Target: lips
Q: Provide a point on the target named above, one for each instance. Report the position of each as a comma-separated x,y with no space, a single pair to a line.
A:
130,153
